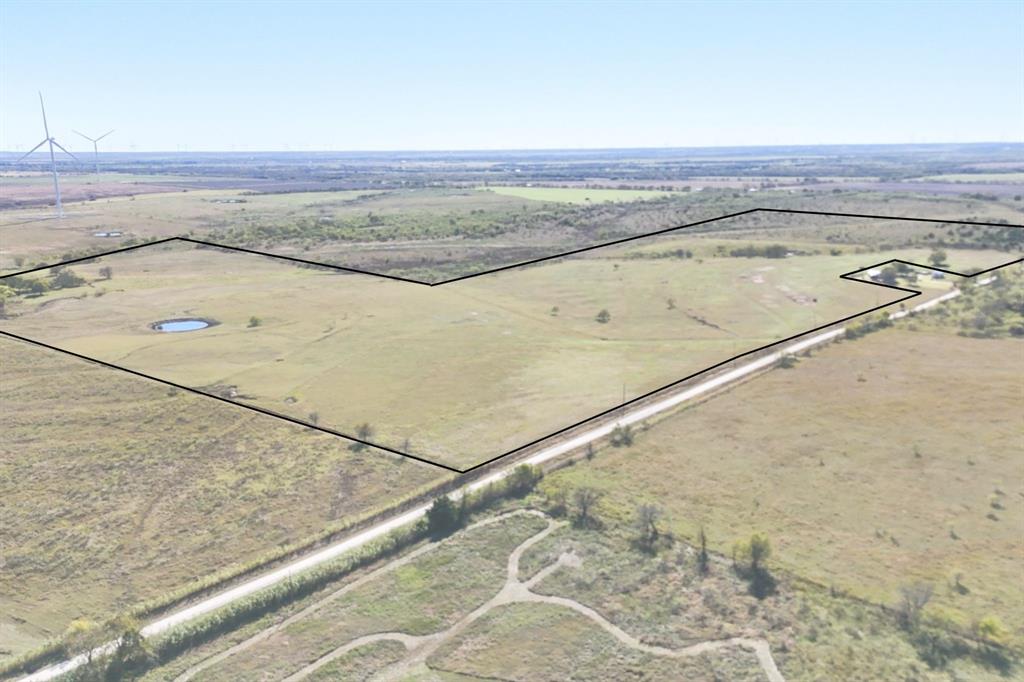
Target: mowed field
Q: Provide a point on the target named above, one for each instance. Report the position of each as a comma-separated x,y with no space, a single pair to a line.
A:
872,465
115,490
458,373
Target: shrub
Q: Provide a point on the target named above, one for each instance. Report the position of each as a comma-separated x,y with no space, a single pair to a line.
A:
585,501
913,599
622,436
364,432
646,524
991,629
703,559
65,278
523,479
443,518
749,559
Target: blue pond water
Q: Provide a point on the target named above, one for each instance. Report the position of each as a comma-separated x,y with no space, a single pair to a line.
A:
181,325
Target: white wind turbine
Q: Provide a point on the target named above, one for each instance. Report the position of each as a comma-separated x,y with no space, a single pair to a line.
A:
95,149
53,159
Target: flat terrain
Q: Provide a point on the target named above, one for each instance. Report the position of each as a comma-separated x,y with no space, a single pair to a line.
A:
36,189
115,490
978,177
458,373
525,596
574,195
874,464
432,232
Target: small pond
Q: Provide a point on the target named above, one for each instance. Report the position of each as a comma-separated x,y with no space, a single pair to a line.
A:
181,325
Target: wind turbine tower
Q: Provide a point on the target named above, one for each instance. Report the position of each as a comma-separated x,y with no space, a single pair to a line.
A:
53,158
95,149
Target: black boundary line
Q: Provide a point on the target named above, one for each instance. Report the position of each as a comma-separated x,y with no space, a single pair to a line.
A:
850,276
89,258
212,245
597,246
254,408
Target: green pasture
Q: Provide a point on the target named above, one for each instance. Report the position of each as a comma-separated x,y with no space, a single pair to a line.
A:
457,373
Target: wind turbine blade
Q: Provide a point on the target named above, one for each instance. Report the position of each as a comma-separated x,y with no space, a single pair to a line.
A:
32,150
57,145
83,135
46,127
103,135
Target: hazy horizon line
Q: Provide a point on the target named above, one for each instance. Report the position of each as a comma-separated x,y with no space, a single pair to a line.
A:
506,150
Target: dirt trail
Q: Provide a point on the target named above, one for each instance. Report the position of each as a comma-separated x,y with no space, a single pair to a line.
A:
316,606
421,647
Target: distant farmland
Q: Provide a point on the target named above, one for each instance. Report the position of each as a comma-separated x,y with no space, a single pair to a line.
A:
575,195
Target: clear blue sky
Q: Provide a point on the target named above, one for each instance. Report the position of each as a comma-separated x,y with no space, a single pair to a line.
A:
339,76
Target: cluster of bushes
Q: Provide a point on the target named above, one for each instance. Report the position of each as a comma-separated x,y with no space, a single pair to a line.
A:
980,236
61,277
767,251
991,311
870,323
400,226
940,642
681,254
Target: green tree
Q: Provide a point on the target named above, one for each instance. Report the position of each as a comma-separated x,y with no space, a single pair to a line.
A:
106,272
82,637
584,502
937,258
65,278
254,321
703,559
646,524
443,517
750,557
889,275
760,550
523,479
131,652
603,317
